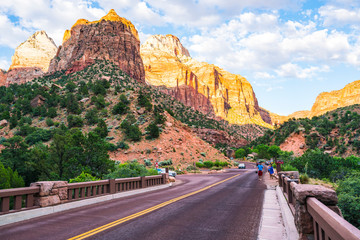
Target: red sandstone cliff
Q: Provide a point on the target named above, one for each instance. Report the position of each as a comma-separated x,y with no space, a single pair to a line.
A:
203,86
111,38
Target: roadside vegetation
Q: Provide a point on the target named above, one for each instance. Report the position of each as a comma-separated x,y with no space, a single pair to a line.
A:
331,156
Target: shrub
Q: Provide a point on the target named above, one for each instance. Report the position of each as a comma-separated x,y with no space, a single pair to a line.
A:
304,178
154,131
120,108
101,129
130,169
91,116
49,122
52,112
74,121
84,177
208,164
132,131
199,165
39,135
288,167
147,163
122,145
145,101
166,163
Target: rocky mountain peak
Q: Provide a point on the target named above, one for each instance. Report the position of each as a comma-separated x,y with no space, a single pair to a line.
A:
202,86
36,51
165,43
111,16
111,38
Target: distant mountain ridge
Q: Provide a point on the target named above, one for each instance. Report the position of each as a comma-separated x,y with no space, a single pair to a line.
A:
326,102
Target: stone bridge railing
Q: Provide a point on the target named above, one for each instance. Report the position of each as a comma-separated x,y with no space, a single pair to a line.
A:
315,211
50,193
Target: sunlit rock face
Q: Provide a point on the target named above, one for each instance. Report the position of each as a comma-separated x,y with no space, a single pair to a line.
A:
30,60
327,101
36,51
111,38
205,87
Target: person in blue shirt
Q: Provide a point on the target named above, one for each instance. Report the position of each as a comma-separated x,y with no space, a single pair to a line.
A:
260,170
271,172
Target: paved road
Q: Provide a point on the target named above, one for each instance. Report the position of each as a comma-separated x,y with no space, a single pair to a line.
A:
229,210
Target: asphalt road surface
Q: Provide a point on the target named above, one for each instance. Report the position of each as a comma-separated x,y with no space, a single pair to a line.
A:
214,206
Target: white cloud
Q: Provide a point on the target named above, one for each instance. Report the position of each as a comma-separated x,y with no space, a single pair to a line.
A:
263,75
11,35
339,16
4,64
277,48
290,70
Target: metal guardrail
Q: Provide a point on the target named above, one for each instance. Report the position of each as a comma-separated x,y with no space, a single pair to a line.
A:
20,199
16,199
327,224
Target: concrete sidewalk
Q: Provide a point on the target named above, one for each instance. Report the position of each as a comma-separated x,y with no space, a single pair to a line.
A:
277,221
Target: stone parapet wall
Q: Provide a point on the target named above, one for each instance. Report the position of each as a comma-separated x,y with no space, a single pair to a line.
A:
51,193
299,194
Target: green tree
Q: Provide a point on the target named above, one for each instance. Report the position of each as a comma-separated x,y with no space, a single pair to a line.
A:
91,116
52,112
240,153
262,151
120,108
101,129
70,87
154,131
74,121
349,198
15,156
274,151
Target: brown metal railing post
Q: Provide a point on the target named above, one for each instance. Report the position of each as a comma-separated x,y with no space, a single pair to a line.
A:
5,204
280,180
111,186
143,182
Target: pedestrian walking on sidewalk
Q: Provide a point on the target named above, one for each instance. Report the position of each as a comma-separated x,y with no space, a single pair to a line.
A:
260,170
271,172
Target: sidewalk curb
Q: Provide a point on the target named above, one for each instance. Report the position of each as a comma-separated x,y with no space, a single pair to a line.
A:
288,218
29,214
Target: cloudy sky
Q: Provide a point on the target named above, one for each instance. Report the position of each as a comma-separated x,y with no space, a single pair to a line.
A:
289,50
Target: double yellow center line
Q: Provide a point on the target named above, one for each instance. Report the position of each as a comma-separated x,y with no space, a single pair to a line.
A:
125,219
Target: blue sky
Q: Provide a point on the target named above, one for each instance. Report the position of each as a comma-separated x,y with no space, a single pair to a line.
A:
289,50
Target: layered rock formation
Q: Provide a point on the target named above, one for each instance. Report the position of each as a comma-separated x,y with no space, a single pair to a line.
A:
36,51
111,38
30,60
203,86
327,101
